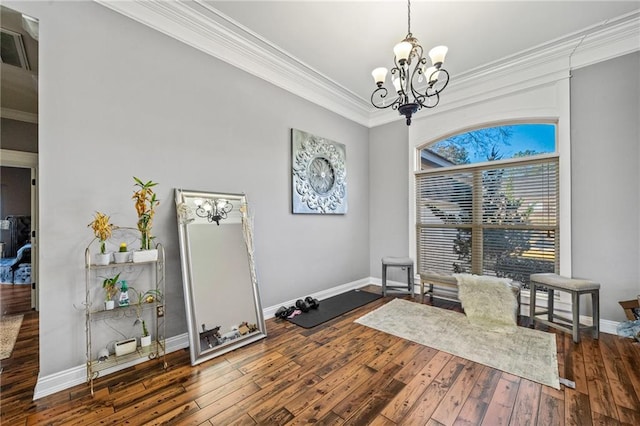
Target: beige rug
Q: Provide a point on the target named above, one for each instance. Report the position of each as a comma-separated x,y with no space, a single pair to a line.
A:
521,351
9,328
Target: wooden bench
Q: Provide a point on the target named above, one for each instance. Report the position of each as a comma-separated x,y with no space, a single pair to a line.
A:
577,287
431,279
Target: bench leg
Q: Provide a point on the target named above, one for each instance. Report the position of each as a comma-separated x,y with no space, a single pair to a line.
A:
532,304
410,279
575,299
550,304
595,302
384,280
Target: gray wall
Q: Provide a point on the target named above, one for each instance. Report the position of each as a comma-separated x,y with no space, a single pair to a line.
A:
605,159
118,99
389,196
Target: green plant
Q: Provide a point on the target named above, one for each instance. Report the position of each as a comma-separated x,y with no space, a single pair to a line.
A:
101,229
110,288
146,203
148,296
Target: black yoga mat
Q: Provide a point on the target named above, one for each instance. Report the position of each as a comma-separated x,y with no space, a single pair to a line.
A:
334,307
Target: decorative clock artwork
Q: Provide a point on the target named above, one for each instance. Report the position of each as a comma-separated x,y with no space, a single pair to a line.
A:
319,174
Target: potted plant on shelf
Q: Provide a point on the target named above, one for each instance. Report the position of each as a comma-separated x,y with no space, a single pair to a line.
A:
102,230
149,296
145,203
110,290
122,255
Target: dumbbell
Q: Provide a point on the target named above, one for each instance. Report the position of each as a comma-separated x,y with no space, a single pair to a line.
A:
313,303
303,305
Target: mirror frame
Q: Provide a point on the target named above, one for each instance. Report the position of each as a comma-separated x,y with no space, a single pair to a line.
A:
185,215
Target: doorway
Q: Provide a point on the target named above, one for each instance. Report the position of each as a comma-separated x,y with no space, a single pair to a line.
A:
18,161
16,248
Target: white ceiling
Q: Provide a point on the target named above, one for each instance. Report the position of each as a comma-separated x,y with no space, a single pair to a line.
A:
345,40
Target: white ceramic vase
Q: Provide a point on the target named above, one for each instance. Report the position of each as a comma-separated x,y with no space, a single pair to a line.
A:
121,256
109,304
140,256
102,258
145,341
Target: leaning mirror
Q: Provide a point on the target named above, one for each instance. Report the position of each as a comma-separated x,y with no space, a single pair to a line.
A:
220,287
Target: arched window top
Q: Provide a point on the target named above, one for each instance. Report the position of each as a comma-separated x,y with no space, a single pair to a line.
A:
490,144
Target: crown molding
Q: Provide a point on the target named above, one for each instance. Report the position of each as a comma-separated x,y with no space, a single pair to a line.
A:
207,29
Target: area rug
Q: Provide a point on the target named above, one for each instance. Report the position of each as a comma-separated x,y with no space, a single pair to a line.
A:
527,353
9,328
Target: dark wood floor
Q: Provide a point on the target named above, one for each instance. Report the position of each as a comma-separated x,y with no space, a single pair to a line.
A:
15,299
336,373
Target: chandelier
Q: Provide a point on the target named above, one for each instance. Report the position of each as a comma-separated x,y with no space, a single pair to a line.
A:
213,210
417,86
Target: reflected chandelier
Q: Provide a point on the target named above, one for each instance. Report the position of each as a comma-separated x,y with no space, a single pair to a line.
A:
213,210
417,85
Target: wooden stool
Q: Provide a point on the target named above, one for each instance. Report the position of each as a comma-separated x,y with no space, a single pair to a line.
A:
400,262
576,287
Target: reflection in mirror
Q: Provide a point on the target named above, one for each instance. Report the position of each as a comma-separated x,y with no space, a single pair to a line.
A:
221,291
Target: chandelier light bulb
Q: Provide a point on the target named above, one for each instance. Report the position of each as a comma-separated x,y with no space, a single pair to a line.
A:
437,55
402,51
432,74
379,75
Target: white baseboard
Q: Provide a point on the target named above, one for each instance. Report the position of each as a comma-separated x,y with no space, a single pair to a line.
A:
65,379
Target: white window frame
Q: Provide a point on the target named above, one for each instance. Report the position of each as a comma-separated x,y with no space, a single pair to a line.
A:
545,103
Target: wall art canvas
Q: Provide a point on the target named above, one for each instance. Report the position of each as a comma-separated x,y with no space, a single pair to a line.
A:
319,168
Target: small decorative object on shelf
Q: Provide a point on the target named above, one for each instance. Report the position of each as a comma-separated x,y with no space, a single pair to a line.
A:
145,203
110,290
145,340
124,294
102,231
122,255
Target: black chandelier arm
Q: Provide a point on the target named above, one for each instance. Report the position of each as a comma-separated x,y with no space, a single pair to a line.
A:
381,93
444,73
429,101
431,89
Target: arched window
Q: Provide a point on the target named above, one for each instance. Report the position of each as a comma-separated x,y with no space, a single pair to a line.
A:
487,203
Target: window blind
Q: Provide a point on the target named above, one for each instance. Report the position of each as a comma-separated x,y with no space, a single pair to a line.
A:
499,218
